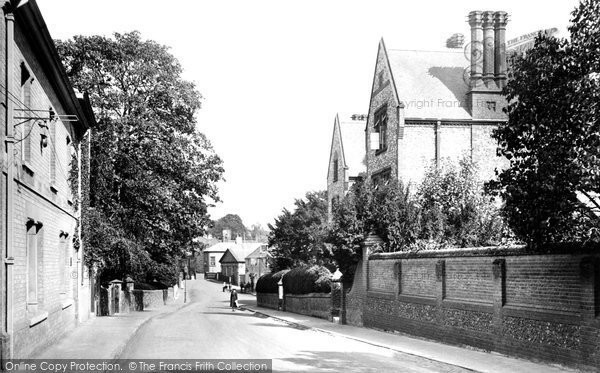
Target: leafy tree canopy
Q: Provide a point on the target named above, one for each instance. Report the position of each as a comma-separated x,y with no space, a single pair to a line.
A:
448,210
297,238
258,233
152,173
454,212
552,138
386,210
233,223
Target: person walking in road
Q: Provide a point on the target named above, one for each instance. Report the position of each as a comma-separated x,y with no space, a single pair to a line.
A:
233,300
224,286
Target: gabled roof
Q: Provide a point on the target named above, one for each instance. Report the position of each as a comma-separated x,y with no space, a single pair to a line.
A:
220,247
431,84
240,251
259,252
351,134
353,143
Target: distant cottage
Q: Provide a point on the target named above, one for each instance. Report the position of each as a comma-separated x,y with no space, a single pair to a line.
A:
233,261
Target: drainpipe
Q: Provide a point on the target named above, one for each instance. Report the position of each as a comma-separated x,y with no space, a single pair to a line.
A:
7,328
79,267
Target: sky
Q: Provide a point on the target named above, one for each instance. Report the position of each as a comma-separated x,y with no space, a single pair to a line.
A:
274,73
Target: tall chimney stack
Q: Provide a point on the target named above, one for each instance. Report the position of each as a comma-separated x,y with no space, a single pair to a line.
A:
476,47
500,21
488,49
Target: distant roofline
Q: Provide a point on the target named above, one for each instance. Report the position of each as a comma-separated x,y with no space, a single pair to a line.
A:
449,50
444,119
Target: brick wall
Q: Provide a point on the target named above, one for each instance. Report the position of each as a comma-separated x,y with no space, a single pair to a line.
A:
419,151
316,304
267,300
530,305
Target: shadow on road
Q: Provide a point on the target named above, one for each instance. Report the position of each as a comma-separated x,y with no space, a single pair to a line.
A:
236,313
308,361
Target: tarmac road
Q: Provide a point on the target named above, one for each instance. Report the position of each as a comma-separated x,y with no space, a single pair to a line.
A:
207,328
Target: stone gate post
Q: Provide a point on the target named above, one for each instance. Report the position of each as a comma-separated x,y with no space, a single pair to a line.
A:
369,245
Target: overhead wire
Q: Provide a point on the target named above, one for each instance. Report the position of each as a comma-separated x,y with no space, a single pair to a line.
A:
16,100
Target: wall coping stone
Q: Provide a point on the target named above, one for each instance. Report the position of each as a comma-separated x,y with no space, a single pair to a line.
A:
310,295
314,295
493,251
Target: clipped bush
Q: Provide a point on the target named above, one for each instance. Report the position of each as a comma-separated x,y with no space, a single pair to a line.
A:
150,286
305,280
268,283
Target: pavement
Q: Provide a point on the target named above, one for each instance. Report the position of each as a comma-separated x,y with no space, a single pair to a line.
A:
105,337
124,336
464,357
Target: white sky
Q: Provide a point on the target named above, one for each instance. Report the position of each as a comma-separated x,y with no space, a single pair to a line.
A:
274,73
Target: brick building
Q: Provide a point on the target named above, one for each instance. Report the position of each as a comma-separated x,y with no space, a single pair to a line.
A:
429,106
346,157
45,287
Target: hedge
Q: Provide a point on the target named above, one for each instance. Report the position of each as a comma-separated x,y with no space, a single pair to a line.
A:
305,280
268,283
150,286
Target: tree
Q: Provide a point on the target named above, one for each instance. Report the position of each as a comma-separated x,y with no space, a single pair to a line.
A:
552,138
297,238
258,233
454,212
386,210
231,222
151,172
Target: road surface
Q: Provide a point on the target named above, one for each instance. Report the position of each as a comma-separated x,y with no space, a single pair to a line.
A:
206,328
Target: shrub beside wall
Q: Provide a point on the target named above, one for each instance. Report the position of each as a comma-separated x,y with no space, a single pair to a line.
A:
268,283
306,280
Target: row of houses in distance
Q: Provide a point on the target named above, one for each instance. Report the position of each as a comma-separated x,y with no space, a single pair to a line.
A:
236,261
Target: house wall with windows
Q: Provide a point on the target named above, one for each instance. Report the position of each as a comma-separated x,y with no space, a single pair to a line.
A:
44,126
433,107
212,259
257,264
383,161
232,268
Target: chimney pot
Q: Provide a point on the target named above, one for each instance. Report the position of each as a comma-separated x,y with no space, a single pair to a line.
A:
500,21
488,49
475,21
455,41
